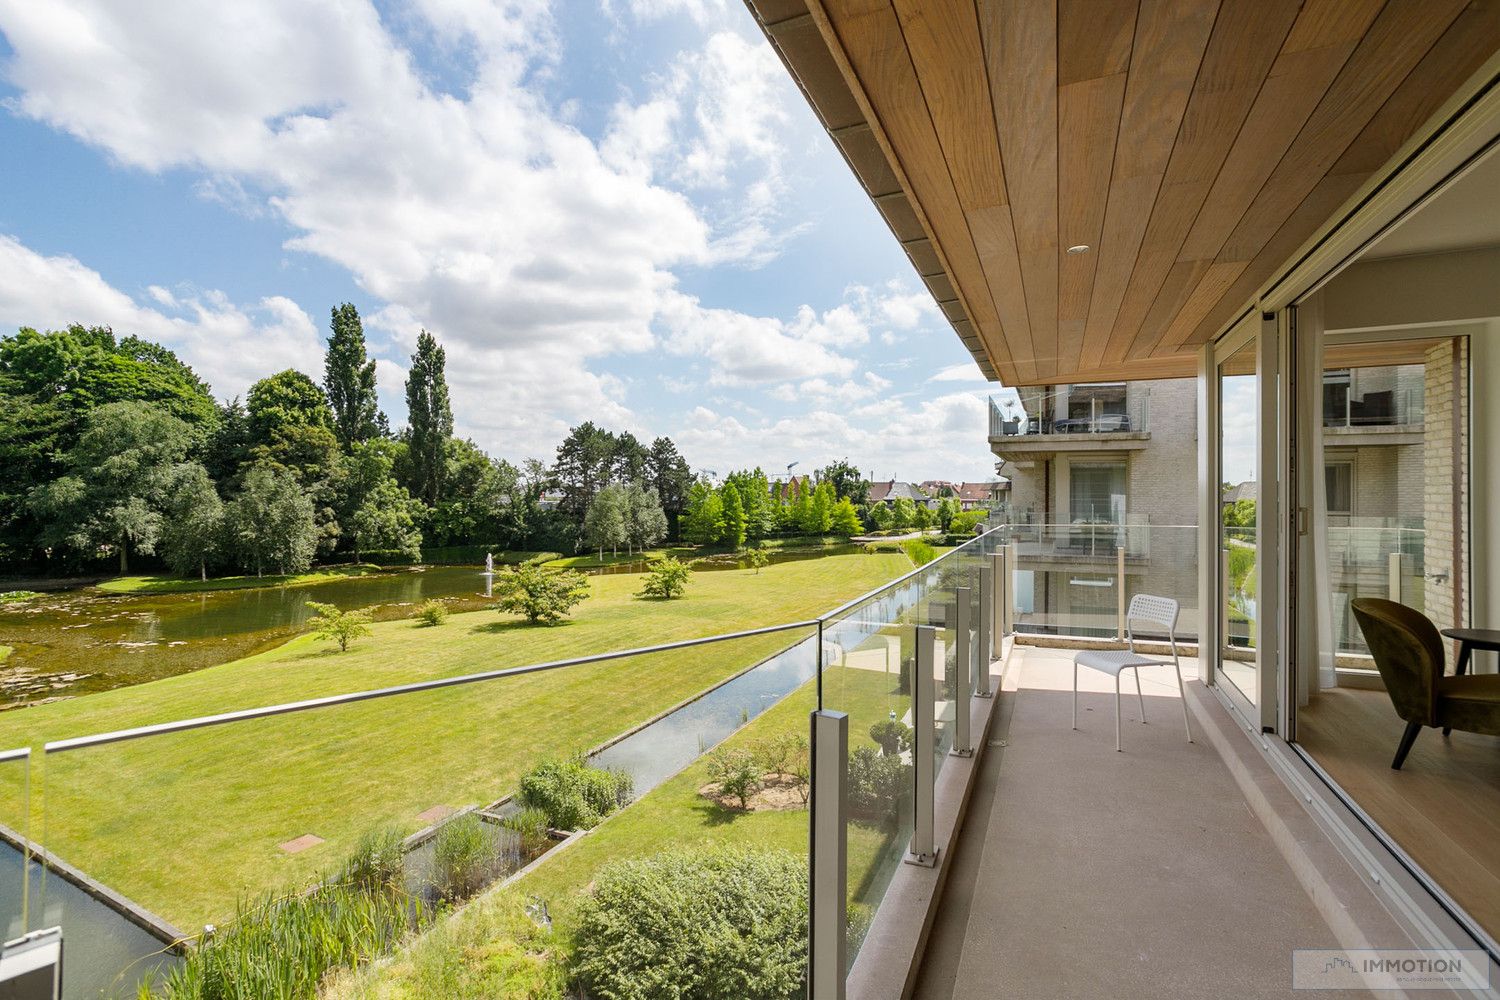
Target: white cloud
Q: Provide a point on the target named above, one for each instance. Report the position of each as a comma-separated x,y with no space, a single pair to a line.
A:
229,344
968,371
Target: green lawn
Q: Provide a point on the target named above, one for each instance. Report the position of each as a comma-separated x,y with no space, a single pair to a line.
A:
183,823
672,815
592,560
181,584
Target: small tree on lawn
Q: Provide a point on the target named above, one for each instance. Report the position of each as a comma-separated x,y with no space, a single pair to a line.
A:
737,773
342,627
757,558
666,579
543,597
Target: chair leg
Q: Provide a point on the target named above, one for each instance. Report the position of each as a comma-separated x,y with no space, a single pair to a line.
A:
1139,696
1182,697
1118,748
1407,739
1075,694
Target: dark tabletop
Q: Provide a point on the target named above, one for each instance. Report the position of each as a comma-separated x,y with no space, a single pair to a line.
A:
1475,636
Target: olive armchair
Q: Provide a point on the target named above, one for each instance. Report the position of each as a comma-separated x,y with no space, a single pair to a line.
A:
1408,651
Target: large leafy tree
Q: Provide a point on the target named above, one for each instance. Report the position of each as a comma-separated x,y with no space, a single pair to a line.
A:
387,519
115,482
193,535
584,466
606,524
667,472
286,399
272,523
349,379
846,481
631,461
704,521
845,522
646,523
429,419
734,517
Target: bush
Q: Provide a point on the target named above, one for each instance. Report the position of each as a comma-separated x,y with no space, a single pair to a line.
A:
737,774
542,596
378,861
342,627
779,754
464,858
877,784
572,794
666,578
756,559
722,924
893,736
965,523
871,548
431,613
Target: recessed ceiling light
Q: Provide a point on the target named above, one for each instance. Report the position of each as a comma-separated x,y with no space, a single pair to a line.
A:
1080,248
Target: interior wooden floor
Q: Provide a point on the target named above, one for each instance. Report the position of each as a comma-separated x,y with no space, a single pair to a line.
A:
1442,807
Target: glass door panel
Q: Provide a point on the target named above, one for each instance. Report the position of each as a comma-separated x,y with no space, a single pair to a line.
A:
1239,417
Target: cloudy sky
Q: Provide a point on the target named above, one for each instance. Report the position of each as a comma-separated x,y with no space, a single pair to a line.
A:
618,210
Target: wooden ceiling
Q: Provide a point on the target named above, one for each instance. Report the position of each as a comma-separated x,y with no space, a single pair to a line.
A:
1193,146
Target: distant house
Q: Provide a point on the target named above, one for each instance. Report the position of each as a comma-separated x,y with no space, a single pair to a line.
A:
938,488
892,490
975,495
1243,491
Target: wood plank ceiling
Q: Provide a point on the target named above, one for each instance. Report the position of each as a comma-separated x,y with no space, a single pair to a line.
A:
1192,145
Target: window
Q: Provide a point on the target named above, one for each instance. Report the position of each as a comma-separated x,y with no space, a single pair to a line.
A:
1336,397
1339,477
1096,492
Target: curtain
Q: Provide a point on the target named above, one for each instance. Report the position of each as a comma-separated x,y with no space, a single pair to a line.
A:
1310,360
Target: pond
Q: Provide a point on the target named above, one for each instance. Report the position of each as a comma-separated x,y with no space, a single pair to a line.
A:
76,641
72,642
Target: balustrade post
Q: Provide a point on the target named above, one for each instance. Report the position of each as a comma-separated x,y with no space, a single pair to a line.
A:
963,673
923,849
987,644
828,861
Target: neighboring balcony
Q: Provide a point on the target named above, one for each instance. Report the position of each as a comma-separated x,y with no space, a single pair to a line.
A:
1070,425
1387,417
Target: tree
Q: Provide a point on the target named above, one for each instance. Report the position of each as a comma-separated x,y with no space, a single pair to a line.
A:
668,473
116,481
630,460
922,516
903,513
817,513
429,418
349,379
845,522
606,523
666,579
387,519
846,481
543,597
733,534
947,510
331,624
756,559
704,521
584,466
881,517
645,521
193,535
271,522
288,398
755,494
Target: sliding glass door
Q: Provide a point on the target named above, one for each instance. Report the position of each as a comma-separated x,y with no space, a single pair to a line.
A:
1238,386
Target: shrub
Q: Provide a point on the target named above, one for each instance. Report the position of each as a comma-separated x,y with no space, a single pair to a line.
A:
342,627
737,773
756,559
778,754
718,924
877,784
431,613
543,596
464,858
666,578
893,736
572,794
966,522
378,860
920,552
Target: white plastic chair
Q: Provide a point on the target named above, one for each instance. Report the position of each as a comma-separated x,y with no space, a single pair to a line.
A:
1144,608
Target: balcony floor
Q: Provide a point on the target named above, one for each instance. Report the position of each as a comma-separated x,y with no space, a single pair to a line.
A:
1083,872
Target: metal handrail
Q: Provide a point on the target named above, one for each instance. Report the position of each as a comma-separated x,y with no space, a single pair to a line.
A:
19,754
202,722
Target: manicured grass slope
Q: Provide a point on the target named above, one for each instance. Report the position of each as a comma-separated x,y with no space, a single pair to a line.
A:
182,823
671,816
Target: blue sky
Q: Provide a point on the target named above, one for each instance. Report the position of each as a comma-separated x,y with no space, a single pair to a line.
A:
619,211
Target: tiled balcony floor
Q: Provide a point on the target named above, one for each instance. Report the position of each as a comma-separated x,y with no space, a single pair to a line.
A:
1082,872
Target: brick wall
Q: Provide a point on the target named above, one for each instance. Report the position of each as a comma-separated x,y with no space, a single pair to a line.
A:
1446,397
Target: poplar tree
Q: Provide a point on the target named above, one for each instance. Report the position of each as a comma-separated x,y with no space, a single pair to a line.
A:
349,379
429,418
